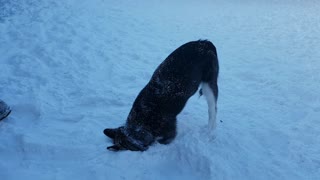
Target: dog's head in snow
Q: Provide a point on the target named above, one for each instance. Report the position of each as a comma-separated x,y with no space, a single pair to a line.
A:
125,138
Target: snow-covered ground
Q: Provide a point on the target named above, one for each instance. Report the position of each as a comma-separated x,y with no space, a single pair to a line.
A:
71,68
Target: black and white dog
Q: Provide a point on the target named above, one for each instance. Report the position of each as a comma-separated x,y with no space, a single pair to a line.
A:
153,114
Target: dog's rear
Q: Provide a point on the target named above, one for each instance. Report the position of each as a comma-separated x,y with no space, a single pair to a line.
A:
210,83
192,64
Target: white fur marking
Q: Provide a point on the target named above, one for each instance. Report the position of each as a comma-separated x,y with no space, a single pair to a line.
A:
207,92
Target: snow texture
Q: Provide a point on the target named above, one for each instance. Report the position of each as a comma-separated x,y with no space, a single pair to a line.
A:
71,68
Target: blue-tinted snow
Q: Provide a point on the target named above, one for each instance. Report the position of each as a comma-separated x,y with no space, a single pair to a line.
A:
71,68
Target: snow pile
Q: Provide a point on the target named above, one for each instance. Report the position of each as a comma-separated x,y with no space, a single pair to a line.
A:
71,68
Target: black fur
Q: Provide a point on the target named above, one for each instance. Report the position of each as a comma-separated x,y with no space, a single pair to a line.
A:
153,114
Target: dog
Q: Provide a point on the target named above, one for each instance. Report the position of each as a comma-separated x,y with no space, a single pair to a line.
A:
154,111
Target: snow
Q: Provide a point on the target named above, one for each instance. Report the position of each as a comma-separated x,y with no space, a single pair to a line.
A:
71,68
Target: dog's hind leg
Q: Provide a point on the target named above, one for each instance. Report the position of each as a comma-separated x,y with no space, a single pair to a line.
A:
210,85
210,91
